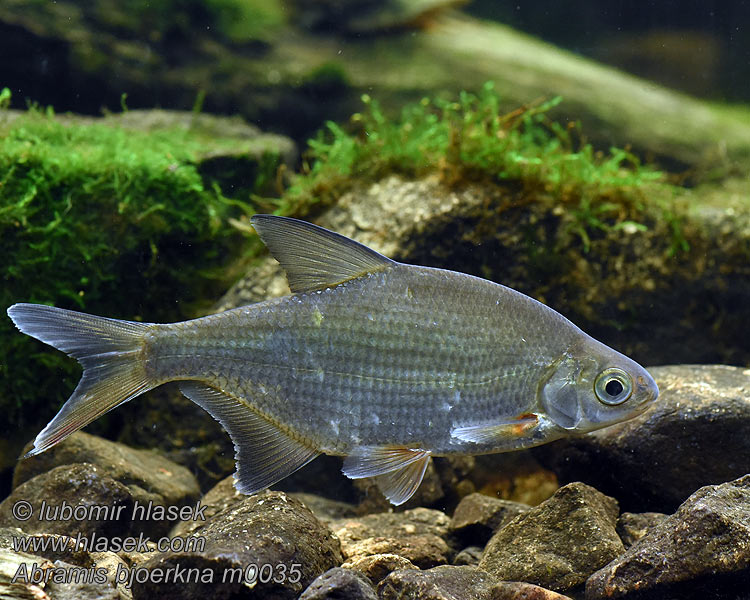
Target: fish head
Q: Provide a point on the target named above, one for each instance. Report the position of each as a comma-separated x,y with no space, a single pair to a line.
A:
592,386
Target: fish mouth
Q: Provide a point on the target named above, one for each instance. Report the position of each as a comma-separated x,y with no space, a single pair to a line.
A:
647,389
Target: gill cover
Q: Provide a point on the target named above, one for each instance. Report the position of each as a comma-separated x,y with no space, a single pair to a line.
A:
559,395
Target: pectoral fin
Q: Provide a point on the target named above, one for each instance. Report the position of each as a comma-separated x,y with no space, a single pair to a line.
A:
487,433
264,453
315,258
398,471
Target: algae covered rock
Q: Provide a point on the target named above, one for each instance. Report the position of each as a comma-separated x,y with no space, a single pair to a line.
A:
92,207
262,61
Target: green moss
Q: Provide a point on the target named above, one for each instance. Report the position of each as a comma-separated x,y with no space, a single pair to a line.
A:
112,221
472,139
239,21
328,75
246,20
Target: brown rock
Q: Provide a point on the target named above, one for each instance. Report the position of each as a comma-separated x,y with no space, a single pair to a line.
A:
377,567
631,527
268,545
425,550
148,476
340,584
469,556
559,543
420,535
325,509
70,500
703,550
395,525
478,516
451,583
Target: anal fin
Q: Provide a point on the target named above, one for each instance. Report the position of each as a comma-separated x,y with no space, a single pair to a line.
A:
397,470
264,453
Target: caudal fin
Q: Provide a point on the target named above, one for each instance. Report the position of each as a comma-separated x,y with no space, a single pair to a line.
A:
109,351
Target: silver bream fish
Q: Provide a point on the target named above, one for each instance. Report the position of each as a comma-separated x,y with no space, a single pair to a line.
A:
383,363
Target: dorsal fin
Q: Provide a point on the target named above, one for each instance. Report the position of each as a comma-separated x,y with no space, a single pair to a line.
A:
315,258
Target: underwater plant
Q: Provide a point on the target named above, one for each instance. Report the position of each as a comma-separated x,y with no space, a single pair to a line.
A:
98,217
472,138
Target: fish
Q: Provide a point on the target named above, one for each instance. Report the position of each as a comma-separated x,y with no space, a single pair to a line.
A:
380,362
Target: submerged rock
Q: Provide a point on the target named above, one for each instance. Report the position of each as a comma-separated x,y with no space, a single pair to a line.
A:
695,435
377,567
125,477
325,509
451,583
161,479
469,556
559,543
478,516
265,546
417,521
13,588
703,550
368,16
271,71
421,536
423,550
68,587
61,552
62,500
59,546
340,584
224,495
631,527
219,498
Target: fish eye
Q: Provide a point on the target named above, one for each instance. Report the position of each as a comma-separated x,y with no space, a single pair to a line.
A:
613,386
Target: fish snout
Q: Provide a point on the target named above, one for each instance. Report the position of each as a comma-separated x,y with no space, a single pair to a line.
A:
646,389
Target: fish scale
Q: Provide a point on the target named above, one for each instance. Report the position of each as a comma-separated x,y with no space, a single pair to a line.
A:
383,363
340,368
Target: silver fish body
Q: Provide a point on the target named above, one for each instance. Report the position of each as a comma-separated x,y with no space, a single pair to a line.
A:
384,363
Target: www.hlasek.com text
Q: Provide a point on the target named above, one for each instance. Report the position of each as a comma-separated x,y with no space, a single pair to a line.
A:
97,543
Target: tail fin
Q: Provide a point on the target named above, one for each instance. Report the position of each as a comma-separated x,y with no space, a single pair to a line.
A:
109,351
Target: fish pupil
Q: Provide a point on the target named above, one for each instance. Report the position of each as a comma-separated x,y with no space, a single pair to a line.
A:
613,387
